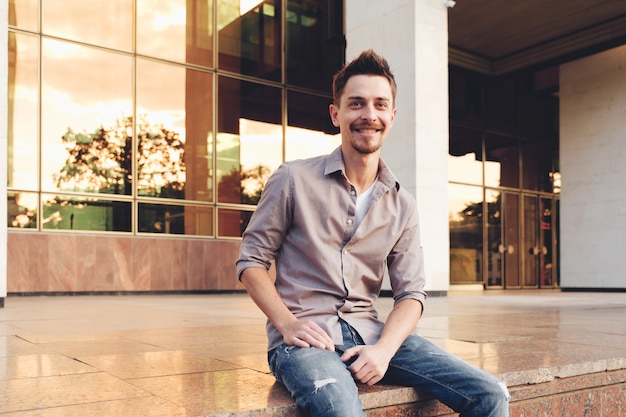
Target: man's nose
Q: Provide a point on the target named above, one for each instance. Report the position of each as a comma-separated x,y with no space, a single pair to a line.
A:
369,112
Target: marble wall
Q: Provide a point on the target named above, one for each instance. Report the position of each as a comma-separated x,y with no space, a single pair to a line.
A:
592,155
58,262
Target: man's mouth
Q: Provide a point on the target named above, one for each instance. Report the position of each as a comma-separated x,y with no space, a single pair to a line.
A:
367,129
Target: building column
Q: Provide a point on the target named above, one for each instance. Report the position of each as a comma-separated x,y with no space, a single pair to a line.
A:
4,75
592,154
413,36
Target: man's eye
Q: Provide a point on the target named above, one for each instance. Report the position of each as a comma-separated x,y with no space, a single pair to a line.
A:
355,104
382,105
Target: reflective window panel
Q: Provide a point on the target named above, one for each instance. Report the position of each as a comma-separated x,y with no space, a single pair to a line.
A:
466,95
176,30
23,108
22,209
465,214
249,141
310,131
249,39
539,166
465,157
175,219
86,126
24,14
174,131
107,23
85,213
501,161
501,112
232,223
315,42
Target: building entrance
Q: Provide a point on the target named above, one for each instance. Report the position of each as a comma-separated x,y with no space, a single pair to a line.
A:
522,242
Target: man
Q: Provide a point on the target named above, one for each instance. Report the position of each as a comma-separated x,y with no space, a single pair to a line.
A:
334,225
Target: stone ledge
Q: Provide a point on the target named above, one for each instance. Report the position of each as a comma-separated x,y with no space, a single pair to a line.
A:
546,388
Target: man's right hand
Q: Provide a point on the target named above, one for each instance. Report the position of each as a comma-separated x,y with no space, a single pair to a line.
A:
304,334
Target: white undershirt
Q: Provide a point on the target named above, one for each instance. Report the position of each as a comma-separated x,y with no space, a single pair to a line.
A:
363,201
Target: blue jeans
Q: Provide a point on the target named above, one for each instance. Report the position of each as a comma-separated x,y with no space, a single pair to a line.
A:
322,384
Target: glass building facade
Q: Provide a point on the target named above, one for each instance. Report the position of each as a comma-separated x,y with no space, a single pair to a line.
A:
162,119
504,179
137,117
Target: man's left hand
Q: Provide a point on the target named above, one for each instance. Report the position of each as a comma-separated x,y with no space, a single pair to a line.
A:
370,365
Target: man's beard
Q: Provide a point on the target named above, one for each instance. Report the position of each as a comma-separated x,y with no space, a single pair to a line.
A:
367,148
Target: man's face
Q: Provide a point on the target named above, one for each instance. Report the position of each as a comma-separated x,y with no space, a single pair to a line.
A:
365,113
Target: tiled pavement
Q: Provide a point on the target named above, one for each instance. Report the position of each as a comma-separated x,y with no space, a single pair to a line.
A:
204,355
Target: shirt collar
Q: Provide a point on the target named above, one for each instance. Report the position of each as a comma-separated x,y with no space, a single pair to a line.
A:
334,163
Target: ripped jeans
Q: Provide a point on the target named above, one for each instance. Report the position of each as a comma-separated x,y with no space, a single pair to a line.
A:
322,384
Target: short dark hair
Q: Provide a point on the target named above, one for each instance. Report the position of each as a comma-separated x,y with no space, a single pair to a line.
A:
368,63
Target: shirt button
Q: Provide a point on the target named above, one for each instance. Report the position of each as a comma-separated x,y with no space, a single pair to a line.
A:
345,252
349,221
353,192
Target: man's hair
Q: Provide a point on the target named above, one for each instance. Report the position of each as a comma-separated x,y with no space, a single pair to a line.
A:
368,63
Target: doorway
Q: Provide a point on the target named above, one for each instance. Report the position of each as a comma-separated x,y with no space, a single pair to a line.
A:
522,242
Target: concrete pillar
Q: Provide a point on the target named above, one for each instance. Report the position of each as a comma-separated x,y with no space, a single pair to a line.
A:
4,74
592,154
413,36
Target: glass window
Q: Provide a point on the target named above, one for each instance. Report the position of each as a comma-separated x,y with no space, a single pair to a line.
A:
539,166
174,131
24,14
465,158
232,223
539,117
501,107
85,127
85,213
106,23
465,215
175,219
249,38
22,209
249,141
466,98
176,30
23,108
502,161
315,42
310,131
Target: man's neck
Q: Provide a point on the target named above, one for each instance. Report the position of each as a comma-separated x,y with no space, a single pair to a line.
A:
361,170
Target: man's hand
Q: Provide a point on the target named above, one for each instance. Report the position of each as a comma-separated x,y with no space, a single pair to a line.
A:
306,334
370,365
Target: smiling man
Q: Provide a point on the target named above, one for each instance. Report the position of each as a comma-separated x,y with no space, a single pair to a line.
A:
334,225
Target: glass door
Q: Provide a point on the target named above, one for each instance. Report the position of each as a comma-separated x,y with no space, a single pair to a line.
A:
503,240
538,243
530,243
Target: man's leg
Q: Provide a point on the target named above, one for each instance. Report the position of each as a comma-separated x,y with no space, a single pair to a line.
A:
318,380
464,388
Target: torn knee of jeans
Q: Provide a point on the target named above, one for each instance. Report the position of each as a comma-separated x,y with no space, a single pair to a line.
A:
321,383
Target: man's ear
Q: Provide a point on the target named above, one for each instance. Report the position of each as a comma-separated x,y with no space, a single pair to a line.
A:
333,110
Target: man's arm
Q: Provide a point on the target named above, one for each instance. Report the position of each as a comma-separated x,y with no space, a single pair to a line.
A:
373,360
295,332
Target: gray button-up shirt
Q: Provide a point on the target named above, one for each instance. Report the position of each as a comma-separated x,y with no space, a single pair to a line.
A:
325,270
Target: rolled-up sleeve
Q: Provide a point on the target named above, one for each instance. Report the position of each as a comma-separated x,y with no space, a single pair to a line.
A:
269,223
405,262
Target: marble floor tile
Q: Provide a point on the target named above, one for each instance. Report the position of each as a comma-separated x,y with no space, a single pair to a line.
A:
218,392
43,365
15,346
150,364
57,391
143,406
98,346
